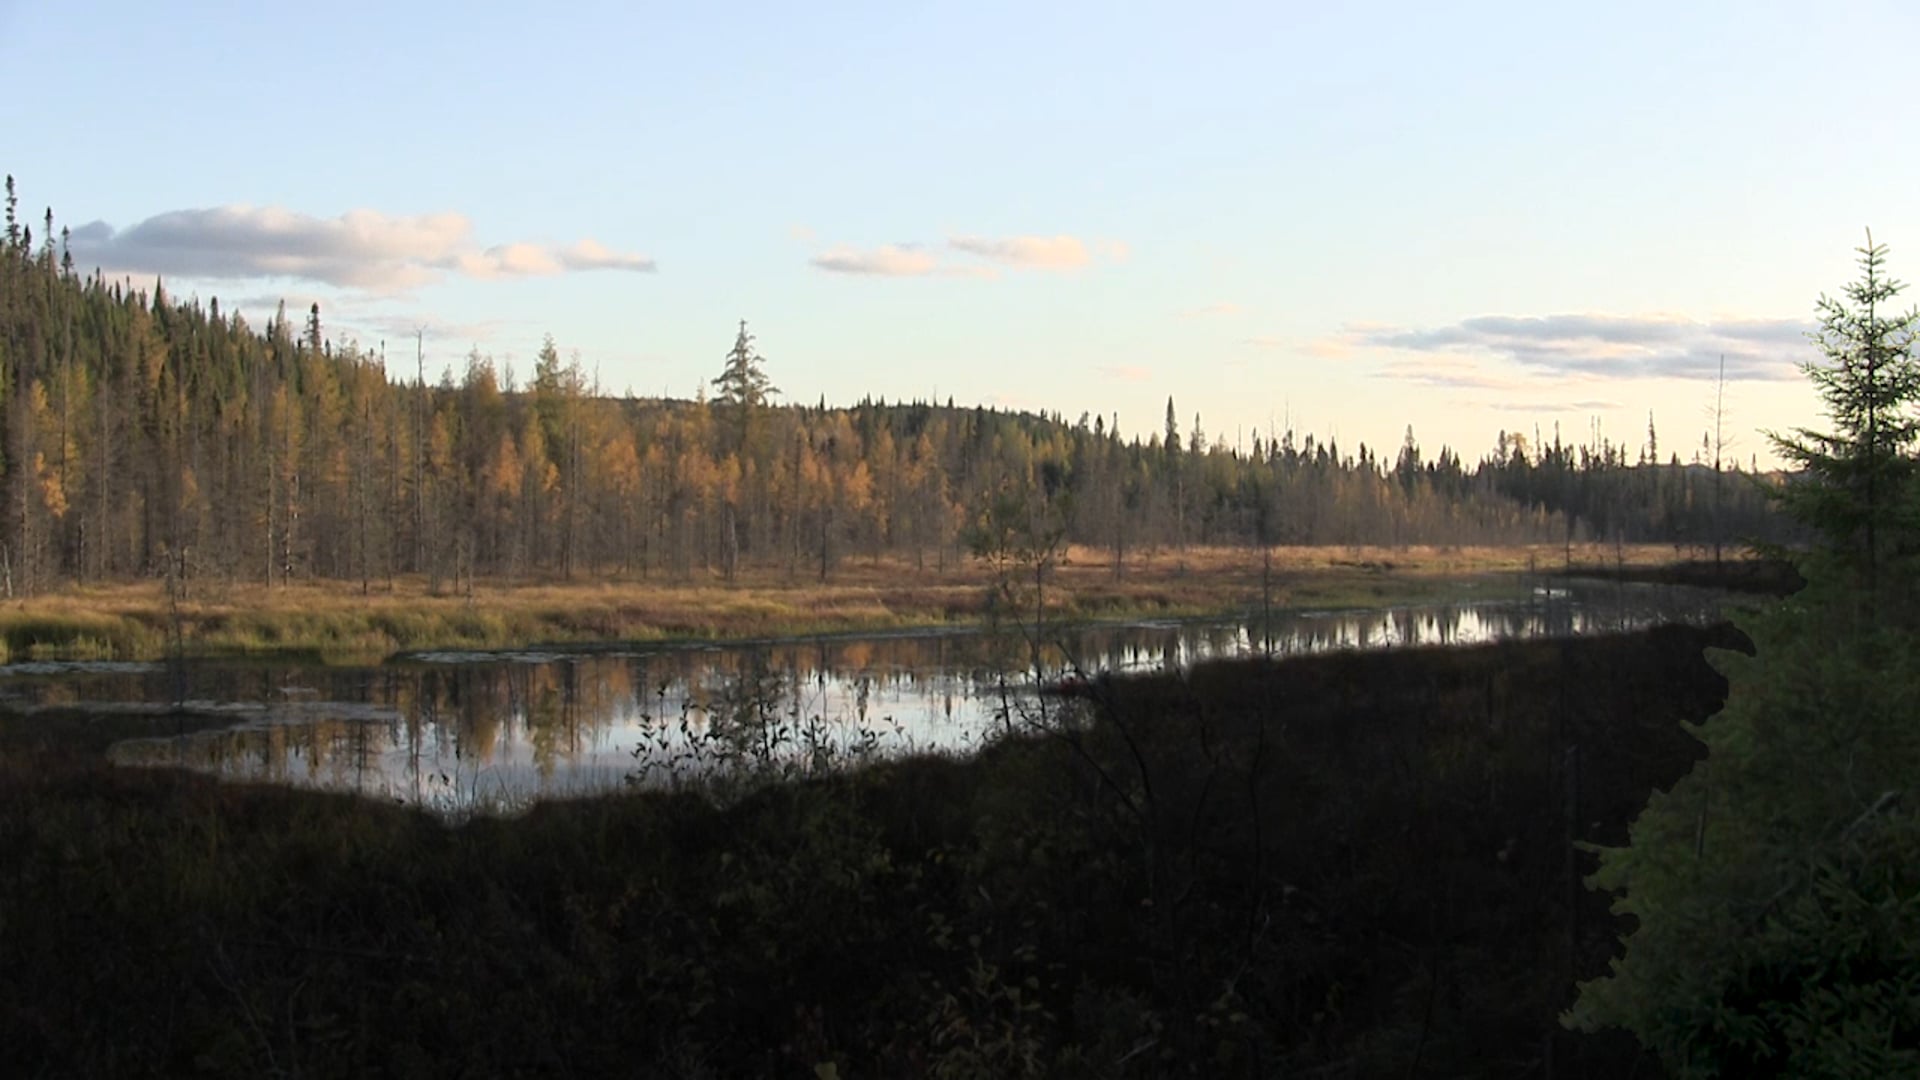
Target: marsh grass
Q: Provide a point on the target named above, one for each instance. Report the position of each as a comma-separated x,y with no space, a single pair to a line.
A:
78,631
331,621
1384,896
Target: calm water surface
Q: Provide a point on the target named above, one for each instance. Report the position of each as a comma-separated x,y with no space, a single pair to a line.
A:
460,732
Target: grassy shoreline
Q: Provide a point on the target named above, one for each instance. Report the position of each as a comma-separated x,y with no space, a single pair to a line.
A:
1382,890
336,621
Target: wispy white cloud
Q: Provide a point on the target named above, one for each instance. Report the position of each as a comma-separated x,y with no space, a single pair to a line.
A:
361,249
437,334
1039,252
913,259
371,319
1444,374
887,260
590,254
507,260
1614,346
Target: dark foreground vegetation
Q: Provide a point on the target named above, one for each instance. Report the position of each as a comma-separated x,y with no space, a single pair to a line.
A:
1355,865
1359,865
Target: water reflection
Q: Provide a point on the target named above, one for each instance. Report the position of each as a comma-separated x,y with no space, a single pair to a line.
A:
461,731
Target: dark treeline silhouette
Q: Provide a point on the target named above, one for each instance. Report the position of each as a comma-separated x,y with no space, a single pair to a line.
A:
146,435
1704,503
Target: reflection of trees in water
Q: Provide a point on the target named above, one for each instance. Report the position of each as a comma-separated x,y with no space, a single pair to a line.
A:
399,732
443,733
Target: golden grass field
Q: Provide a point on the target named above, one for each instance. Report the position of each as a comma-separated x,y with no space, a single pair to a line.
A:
335,620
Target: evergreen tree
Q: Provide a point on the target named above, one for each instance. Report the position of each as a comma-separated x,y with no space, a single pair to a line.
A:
1776,930
313,330
743,385
13,217
1854,480
1406,467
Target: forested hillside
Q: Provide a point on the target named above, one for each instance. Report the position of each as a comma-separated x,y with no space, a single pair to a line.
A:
145,434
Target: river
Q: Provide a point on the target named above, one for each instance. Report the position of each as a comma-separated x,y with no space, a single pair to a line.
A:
463,732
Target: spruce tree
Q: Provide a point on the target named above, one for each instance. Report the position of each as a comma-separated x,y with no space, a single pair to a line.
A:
1854,482
13,217
743,385
1773,888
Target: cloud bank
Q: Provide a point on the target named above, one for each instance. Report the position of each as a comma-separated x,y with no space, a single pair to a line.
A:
1613,346
361,249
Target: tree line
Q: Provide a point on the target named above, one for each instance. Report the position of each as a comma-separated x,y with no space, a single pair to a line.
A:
147,434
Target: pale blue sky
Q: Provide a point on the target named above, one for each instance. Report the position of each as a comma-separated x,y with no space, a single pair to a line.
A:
1463,216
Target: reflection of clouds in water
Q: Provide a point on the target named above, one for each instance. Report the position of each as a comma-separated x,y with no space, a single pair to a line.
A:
501,730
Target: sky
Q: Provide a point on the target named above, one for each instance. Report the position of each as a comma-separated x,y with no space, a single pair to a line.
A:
1348,218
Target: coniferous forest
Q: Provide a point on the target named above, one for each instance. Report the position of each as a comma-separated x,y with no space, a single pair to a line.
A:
959,540
147,433
1393,862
